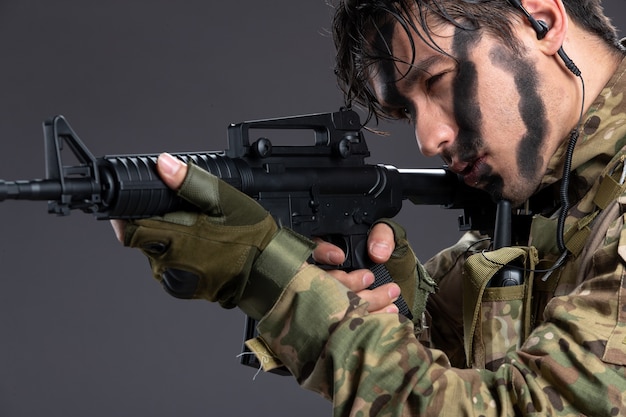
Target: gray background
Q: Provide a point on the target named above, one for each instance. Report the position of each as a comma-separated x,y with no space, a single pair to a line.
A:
84,329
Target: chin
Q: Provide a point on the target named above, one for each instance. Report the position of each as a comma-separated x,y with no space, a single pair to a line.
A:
516,195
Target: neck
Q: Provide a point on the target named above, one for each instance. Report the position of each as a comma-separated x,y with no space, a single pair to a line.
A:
596,61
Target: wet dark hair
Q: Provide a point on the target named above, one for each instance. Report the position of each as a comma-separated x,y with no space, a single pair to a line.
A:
361,29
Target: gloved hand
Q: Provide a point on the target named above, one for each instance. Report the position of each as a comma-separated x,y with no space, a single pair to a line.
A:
214,253
406,271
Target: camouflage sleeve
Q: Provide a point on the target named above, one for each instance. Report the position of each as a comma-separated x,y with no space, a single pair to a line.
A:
572,364
373,364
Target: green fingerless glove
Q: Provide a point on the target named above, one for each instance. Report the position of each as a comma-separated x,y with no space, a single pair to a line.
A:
406,271
213,253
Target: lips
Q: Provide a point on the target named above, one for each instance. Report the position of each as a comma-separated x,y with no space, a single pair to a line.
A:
471,171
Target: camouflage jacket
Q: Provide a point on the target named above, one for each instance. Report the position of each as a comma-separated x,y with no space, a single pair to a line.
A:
555,345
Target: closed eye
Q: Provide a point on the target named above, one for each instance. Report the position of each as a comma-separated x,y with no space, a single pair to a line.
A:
431,82
399,113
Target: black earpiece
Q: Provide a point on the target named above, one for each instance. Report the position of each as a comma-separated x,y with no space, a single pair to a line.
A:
542,29
540,26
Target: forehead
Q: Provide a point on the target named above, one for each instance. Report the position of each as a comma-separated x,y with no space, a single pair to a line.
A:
407,54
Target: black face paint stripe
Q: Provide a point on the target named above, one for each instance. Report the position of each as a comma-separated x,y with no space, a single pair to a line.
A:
382,45
531,108
387,69
467,113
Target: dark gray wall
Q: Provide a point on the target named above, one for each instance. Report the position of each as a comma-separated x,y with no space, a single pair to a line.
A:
84,330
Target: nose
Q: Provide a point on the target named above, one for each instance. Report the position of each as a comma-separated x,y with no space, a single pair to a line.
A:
433,135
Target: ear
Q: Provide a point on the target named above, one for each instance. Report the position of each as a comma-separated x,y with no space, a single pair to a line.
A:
552,13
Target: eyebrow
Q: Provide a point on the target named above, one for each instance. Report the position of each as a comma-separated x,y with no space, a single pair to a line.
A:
390,94
418,69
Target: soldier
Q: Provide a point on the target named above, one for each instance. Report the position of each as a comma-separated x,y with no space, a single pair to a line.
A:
523,99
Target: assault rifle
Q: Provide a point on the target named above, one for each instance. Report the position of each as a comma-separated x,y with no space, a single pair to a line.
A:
321,190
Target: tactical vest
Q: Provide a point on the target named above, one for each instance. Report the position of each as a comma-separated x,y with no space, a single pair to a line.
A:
497,320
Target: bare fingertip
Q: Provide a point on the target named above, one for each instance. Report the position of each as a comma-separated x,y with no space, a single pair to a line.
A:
335,258
380,250
392,309
394,292
168,164
368,279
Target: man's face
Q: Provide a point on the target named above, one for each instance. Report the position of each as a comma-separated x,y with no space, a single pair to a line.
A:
482,113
